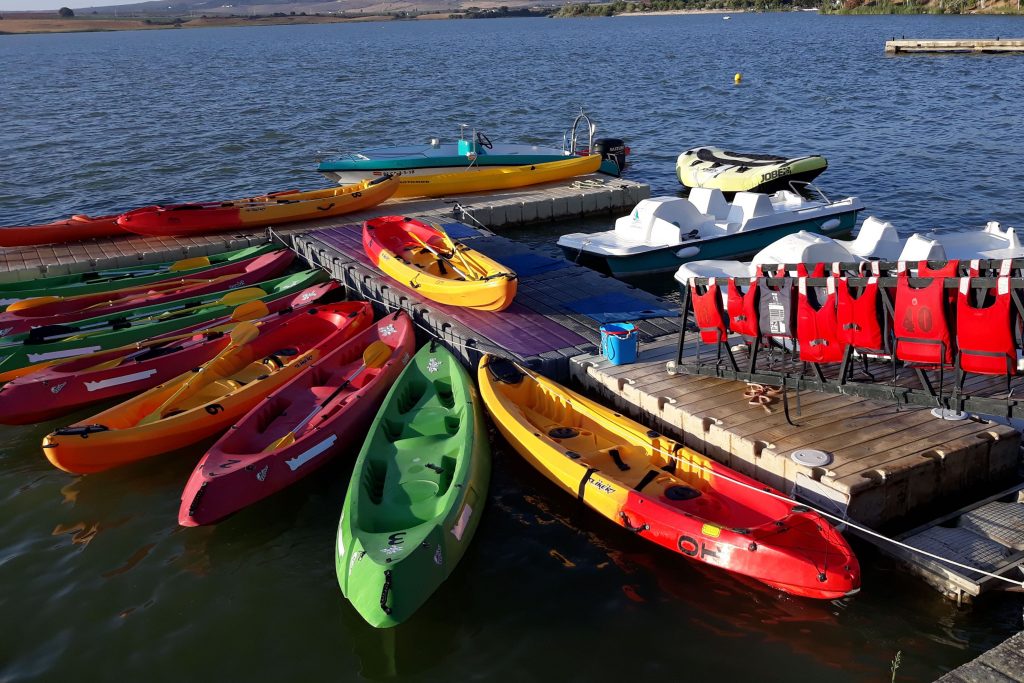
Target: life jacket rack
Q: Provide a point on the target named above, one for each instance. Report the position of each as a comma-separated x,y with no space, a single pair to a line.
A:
906,379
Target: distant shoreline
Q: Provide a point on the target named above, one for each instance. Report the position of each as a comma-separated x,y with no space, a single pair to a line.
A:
668,12
9,26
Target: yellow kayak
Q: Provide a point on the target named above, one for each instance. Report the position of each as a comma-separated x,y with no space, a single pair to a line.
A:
664,492
477,179
424,258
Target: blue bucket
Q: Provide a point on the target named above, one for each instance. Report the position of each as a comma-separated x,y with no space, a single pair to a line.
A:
619,342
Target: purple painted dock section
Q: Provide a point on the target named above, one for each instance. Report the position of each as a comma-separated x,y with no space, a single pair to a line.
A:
556,314
517,329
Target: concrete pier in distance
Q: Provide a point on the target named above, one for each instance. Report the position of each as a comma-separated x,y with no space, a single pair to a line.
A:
963,45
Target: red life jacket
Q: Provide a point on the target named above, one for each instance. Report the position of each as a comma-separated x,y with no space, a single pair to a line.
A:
984,336
707,310
743,309
816,328
922,332
951,269
860,319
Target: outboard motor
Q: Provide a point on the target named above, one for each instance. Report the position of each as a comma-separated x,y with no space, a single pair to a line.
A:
611,148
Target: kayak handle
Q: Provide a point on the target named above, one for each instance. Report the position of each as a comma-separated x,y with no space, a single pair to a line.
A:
630,527
84,431
385,591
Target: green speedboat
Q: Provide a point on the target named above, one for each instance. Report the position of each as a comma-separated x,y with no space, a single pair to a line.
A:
97,281
417,490
53,342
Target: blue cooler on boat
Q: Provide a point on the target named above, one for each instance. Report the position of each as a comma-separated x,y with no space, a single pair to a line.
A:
619,342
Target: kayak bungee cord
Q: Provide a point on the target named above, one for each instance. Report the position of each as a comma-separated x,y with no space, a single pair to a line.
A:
478,347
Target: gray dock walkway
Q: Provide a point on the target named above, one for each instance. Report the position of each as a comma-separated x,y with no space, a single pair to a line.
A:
584,196
557,313
888,462
1002,664
959,45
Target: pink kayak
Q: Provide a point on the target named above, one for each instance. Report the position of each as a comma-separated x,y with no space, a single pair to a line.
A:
299,427
23,315
64,387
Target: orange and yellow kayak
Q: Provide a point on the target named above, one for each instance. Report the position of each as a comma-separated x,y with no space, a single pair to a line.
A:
205,401
256,212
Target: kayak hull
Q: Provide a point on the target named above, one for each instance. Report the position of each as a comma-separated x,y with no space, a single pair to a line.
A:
118,278
244,466
475,179
65,387
257,212
74,229
201,403
419,256
417,491
43,346
64,310
662,491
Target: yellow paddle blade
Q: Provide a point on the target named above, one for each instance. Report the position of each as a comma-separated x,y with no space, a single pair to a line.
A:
243,333
374,356
239,296
250,310
189,263
32,303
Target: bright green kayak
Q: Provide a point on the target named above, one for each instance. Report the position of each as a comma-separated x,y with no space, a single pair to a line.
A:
118,278
417,490
52,342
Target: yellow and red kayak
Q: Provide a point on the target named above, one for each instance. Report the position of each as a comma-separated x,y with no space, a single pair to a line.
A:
424,258
205,401
483,179
663,491
256,212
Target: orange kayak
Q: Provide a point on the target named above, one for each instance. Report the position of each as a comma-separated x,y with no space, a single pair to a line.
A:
76,228
205,401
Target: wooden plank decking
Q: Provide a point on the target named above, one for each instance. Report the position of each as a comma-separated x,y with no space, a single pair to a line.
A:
888,462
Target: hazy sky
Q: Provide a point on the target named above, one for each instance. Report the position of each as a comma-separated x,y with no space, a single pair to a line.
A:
54,4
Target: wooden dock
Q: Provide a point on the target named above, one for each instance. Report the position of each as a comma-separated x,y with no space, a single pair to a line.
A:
557,313
959,45
888,462
1002,664
585,196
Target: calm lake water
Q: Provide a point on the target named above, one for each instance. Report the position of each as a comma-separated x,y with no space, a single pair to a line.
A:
100,583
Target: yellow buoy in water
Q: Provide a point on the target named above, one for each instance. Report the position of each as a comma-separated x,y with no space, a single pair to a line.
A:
737,78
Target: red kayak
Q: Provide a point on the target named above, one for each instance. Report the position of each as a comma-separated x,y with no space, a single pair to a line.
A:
23,315
65,387
76,228
270,447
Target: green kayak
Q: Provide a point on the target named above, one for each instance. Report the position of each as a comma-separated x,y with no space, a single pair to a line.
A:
117,278
417,490
51,342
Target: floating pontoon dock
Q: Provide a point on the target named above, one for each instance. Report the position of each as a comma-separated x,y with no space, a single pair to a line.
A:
961,45
583,196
